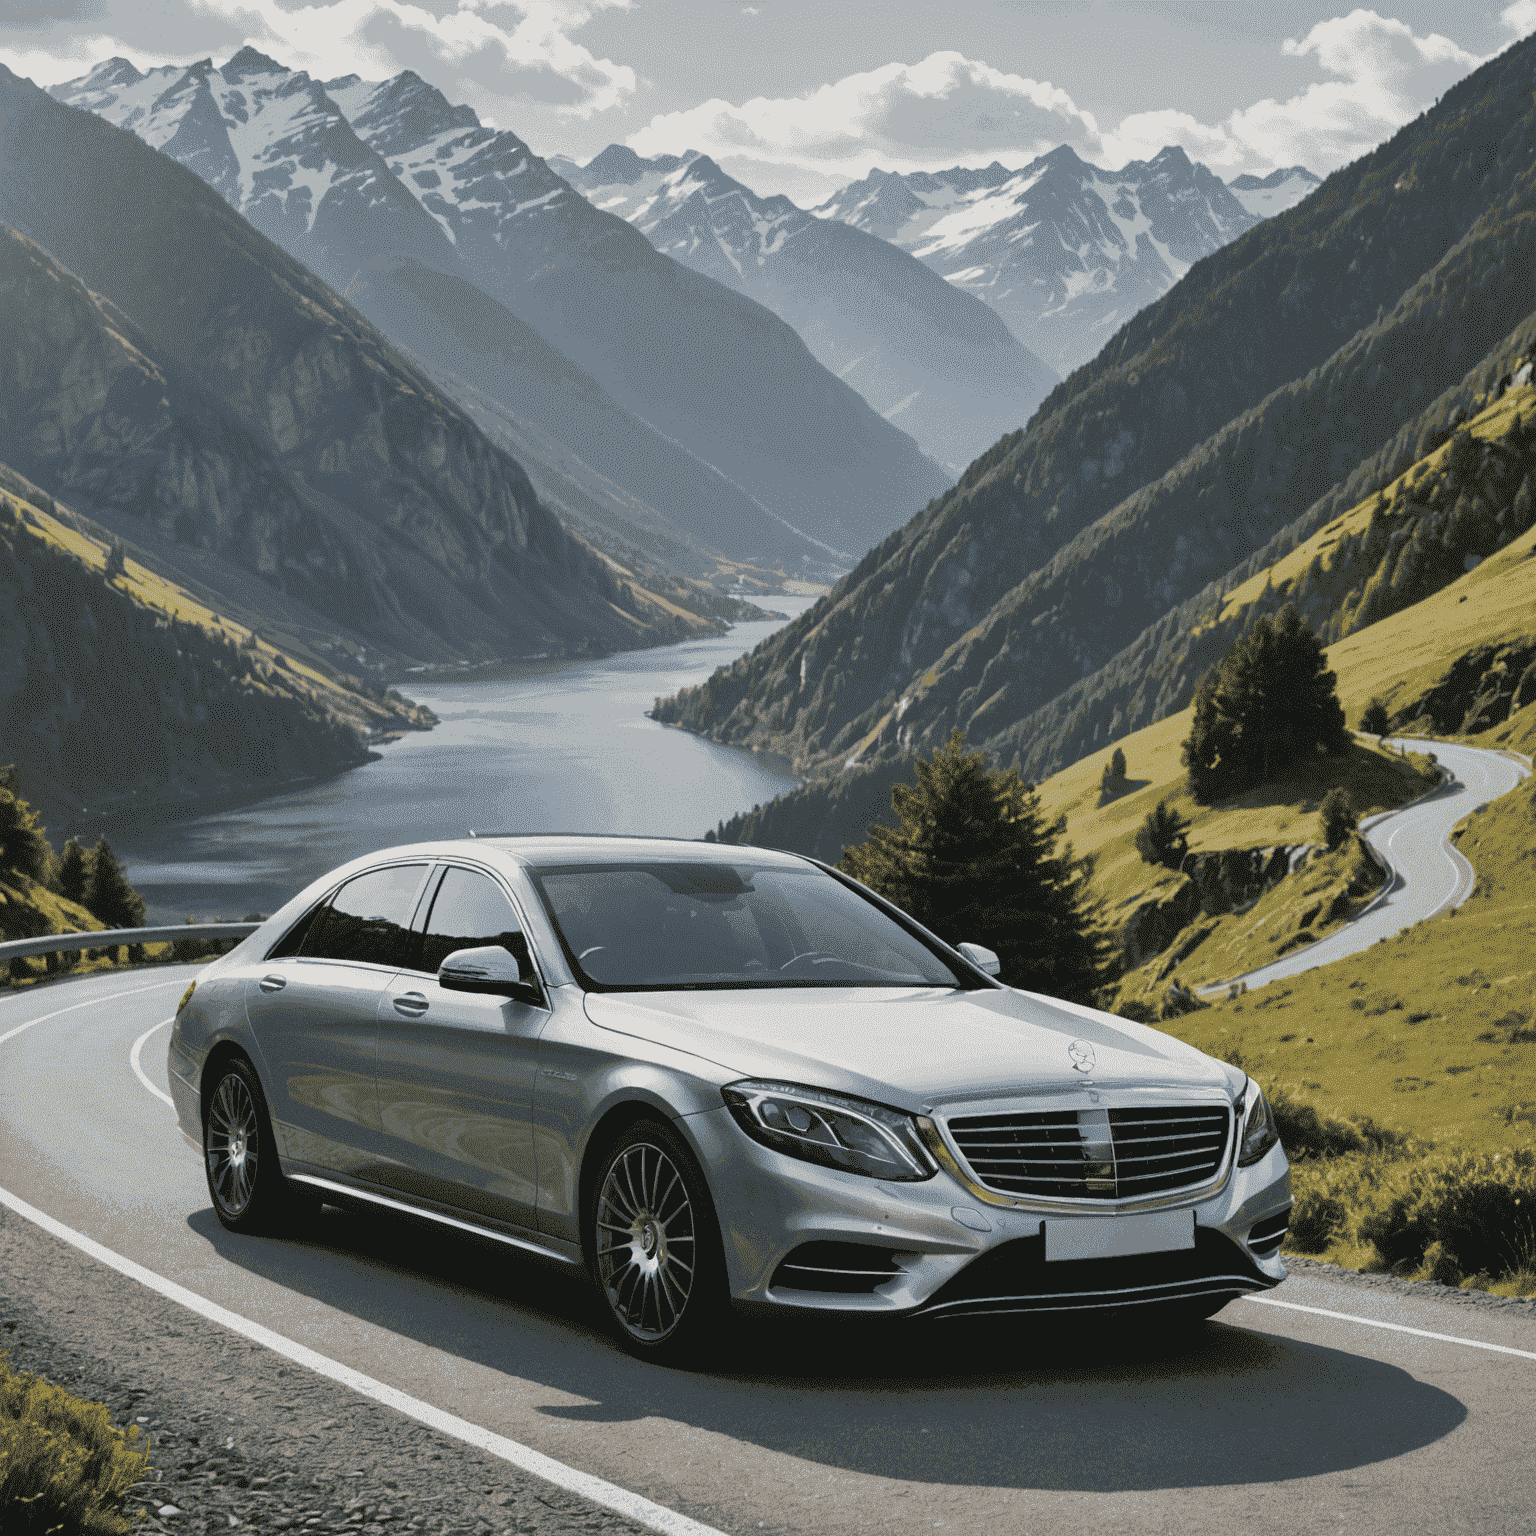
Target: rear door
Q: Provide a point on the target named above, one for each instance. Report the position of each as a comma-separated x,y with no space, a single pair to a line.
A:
314,1009
456,1070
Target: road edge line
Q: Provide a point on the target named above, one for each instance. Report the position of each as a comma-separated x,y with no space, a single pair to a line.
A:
633,1506
1371,1322
90,1002
138,1067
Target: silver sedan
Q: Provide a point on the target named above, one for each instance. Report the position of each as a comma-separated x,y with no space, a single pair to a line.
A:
716,1078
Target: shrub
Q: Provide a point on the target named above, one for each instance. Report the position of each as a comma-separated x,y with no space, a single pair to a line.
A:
1375,719
1161,838
1337,817
1304,1133
1316,1219
1480,1208
63,1467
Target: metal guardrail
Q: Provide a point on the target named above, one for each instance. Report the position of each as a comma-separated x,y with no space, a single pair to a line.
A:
113,938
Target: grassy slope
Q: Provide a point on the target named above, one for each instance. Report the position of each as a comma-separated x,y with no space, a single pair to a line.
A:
272,671
1393,1033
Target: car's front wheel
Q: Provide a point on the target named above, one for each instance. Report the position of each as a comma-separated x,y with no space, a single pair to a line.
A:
654,1247
245,1183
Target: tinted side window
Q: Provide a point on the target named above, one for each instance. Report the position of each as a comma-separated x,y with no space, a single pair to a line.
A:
469,912
368,919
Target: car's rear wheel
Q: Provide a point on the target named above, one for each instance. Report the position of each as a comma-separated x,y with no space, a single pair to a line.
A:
246,1185
654,1247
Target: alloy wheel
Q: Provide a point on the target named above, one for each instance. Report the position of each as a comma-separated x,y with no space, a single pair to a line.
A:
233,1142
646,1248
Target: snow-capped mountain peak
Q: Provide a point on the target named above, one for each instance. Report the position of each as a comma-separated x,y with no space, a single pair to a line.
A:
1276,192
1064,251
925,356
273,144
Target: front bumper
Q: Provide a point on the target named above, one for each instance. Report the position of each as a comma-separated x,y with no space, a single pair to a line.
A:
934,1250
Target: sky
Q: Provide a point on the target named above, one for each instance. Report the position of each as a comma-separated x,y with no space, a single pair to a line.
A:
803,96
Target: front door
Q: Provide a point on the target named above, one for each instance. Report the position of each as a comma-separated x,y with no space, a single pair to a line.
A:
456,1070
314,1013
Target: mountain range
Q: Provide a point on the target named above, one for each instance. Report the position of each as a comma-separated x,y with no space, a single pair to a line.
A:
1065,252
204,395
1065,590
427,219
923,352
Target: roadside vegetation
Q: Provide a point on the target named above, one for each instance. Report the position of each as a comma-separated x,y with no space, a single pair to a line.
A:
79,890
65,1470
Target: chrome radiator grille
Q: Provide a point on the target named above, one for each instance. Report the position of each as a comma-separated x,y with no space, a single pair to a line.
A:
1094,1154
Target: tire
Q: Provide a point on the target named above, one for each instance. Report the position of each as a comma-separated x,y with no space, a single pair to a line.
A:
245,1183
653,1248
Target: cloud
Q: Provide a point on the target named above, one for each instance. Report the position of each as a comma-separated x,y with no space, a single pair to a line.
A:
940,111
1376,74
1520,17
498,56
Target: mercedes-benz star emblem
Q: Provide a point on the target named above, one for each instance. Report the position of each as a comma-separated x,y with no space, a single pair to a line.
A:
1082,1055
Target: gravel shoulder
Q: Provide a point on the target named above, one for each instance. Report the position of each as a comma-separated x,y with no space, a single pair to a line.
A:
242,1439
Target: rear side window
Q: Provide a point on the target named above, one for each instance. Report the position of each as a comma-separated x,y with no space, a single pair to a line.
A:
470,911
368,919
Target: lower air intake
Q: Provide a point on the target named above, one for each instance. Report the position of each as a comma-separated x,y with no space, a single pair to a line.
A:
1015,1277
850,1269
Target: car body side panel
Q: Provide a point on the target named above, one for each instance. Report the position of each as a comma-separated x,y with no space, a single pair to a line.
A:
586,1072
319,1038
455,1090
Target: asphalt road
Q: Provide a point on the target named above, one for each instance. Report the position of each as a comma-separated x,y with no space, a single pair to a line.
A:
1429,875
1270,1417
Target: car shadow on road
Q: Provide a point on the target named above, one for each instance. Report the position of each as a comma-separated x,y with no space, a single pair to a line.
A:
1058,1402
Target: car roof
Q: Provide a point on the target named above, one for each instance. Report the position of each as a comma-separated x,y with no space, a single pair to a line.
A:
590,848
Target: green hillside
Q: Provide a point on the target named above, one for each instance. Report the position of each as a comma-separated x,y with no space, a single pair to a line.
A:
121,688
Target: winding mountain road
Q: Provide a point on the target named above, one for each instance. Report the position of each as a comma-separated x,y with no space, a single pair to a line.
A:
1331,1405
1428,873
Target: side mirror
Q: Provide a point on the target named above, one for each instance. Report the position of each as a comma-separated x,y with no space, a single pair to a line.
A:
490,970
979,956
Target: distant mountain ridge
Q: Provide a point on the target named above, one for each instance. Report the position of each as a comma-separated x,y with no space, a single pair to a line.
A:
1065,252
925,354
1266,196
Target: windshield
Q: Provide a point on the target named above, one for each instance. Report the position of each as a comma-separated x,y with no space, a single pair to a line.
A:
716,924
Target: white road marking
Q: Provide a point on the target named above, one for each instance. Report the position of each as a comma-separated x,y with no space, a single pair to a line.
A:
133,1057
1371,1322
111,997
655,1517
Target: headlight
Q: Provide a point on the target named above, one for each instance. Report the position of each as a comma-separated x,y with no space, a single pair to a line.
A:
1259,1133
831,1129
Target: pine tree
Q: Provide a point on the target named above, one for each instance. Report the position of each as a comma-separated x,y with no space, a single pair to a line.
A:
109,895
1161,838
1270,701
1112,780
74,876
973,858
115,561
24,846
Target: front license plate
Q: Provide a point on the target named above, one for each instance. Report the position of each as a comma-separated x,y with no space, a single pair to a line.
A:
1113,1237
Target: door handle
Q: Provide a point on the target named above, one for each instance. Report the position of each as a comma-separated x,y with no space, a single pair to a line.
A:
411,1004
273,983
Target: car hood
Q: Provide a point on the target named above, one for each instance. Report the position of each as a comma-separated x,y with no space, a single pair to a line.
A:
907,1047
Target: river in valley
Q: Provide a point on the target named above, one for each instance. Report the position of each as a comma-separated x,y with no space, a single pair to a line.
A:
539,747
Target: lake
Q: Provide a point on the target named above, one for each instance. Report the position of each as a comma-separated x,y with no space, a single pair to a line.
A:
539,747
